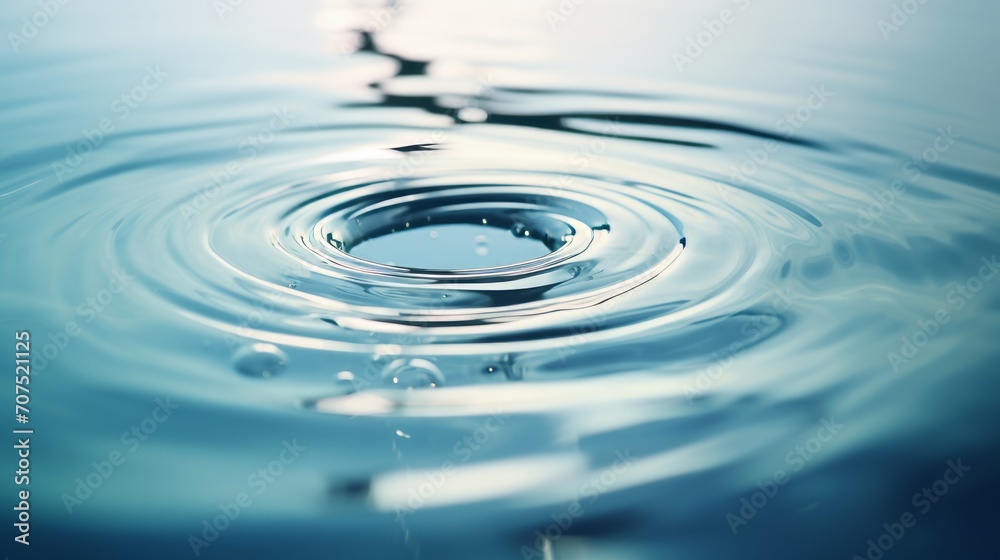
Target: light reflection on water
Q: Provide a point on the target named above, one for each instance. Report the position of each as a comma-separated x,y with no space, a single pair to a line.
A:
452,274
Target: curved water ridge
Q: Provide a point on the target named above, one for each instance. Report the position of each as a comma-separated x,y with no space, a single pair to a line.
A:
609,250
618,261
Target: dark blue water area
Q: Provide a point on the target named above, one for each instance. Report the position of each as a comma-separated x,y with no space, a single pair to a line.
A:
556,280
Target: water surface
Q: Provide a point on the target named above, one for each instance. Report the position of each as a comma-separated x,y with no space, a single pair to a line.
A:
499,280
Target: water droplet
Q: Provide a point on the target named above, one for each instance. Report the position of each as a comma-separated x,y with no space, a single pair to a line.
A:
346,382
415,373
472,114
260,360
482,249
402,434
518,229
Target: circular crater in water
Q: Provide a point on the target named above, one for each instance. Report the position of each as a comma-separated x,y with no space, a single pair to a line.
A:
451,233
468,258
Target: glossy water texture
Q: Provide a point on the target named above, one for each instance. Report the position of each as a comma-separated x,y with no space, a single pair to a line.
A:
505,279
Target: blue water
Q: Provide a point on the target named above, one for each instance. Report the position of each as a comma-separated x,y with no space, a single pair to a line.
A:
575,280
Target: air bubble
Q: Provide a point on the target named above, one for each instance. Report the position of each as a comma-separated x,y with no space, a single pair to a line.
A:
472,114
260,360
346,382
416,373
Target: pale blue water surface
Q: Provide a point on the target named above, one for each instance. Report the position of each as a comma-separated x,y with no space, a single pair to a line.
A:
577,280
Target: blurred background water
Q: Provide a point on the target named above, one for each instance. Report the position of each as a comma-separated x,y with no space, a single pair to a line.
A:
572,279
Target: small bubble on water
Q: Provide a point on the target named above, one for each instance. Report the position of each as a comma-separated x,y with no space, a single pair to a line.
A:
260,360
472,114
518,229
415,373
346,382
434,234
482,248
